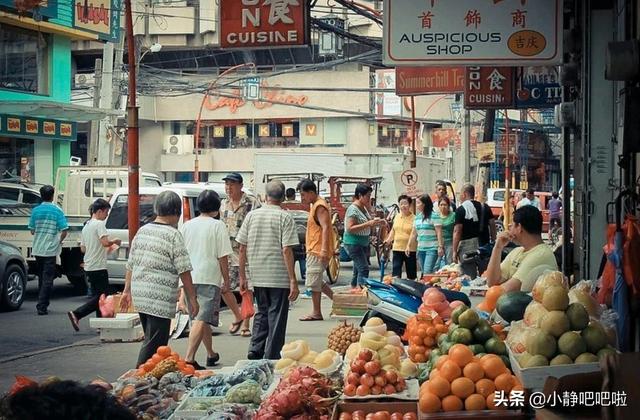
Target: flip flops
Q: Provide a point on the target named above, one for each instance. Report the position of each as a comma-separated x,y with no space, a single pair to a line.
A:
235,327
311,318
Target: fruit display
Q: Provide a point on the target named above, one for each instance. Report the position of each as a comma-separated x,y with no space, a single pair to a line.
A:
164,361
557,332
386,346
468,328
366,376
433,300
464,381
378,415
342,336
422,333
259,371
302,393
511,305
298,353
491,299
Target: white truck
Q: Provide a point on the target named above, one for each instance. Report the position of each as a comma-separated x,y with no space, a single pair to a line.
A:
76,187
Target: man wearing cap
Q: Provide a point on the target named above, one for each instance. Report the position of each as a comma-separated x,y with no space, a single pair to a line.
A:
233,211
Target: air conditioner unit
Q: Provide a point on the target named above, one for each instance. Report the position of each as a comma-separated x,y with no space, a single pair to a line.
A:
85,80
433,151
178,144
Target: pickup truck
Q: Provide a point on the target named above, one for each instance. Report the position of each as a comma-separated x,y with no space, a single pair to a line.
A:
76,188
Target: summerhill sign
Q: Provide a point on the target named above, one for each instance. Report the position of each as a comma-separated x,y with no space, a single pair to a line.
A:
272,96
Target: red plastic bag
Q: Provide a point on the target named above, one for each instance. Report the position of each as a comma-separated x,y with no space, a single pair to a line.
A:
21,383
106,306
246,308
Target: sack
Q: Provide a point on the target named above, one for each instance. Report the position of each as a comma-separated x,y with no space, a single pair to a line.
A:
110,305
246,308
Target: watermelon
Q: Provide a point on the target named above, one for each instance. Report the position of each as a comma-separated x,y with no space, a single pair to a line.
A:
511,305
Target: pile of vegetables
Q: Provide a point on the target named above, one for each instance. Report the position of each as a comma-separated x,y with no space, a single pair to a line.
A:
302,394
164,361
422,332
255,376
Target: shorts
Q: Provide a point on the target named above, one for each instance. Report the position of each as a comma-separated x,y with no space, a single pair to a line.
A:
209,300
315,273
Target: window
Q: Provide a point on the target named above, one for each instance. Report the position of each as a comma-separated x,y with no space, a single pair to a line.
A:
498,196
118,216
24,60
16,159
98,187
9,194
31,198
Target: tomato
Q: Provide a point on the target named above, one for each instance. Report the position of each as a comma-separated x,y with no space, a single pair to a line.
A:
372,368
363,390
349,390
367,380
366,355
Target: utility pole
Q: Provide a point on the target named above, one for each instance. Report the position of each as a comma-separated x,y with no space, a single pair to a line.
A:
116,95
133,213
92,154
106,94
464,163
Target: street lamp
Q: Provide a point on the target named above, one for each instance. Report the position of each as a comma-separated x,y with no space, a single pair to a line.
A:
196,166
156,47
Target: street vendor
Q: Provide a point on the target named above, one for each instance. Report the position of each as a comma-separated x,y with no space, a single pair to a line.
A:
522,267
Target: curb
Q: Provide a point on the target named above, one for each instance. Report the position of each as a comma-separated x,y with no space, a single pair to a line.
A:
83,343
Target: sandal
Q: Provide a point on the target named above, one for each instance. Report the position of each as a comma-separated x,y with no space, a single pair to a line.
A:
245,332
311,318
235,327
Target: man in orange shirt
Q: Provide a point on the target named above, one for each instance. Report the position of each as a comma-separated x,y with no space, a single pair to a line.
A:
319,240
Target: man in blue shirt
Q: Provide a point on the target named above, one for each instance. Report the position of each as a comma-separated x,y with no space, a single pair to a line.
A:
49,228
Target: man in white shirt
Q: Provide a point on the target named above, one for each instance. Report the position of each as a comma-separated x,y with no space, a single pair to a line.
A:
207,240
95,243
530,200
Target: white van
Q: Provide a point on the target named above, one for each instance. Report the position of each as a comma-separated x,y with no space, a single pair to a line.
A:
117,221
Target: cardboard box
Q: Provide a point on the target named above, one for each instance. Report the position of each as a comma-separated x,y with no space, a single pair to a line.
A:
349,304
122,334
123,321
371,407
535,378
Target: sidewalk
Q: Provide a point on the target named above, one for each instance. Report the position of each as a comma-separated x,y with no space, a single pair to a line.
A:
86,360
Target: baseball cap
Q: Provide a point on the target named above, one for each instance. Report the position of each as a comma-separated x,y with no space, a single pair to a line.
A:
233,177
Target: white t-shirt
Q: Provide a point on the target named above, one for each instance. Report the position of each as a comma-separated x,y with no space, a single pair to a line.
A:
526,202
206,239
95,255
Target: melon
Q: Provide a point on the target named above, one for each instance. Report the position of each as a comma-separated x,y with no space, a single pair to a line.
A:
556,298
555,323
534,313
547,280
541,343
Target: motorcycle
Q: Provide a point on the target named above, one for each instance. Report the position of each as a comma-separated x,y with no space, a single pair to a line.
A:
397,302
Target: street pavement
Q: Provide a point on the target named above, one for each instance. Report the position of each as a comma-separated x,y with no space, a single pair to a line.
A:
44,346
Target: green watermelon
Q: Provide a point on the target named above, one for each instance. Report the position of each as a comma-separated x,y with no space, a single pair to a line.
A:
511,305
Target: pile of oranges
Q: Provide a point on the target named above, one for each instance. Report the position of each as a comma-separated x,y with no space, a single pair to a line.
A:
165,352
491,299
422,333
461,381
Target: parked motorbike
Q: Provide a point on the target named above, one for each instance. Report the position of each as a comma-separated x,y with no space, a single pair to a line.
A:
397,302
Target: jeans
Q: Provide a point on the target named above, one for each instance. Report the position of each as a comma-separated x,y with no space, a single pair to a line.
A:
428,259
303,266
156,333
269,322
410,263
360,256
46,275
99,281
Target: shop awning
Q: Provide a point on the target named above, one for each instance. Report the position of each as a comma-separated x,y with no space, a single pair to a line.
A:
56,110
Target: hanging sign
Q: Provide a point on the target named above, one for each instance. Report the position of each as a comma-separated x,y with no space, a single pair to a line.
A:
101,18
472,32
263,23
37,128
489,87
538,87
427,80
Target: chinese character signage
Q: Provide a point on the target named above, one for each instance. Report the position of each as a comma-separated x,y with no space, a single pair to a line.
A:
263,23
489,87
99,17
387,103
472,32
37,128
486,152
427,80
47,8
538,87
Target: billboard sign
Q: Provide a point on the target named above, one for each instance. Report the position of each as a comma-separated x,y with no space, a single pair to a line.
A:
472,32
263,23
103,20
489,87
428,80
387,103
538,87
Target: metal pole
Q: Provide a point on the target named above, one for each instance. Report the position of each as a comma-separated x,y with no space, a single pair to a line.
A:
133,215
566,194
92,155
507,174
414,157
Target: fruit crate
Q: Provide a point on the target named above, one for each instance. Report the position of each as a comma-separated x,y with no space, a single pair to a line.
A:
372,407
476,415
534,378
349,304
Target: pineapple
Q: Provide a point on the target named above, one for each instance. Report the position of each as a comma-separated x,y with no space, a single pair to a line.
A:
164,367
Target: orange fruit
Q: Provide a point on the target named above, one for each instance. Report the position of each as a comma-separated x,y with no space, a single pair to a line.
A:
441,328
429,403
485,387
462,387
141,371
489,356
164,351
504,382
450,370
432,332
492,406
189,370
441,361
148,366
439,386
473,371
434,373
416,340
493,294
461,354
475,402
422,333
419,358
429,342
493,367
156,358
517,387
452,403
